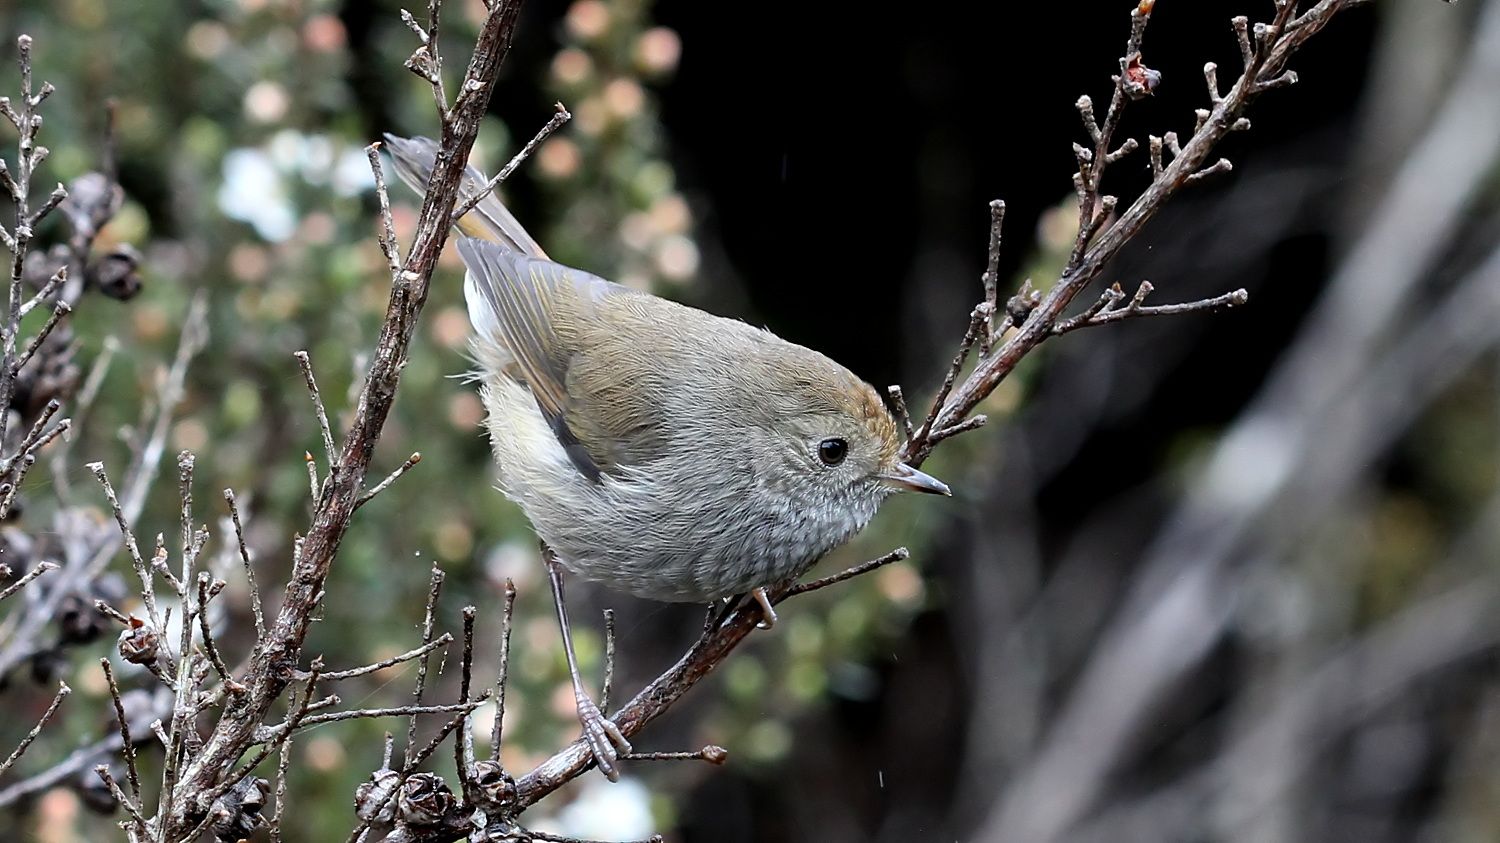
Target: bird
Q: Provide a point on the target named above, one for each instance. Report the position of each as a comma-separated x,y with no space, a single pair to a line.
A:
657,449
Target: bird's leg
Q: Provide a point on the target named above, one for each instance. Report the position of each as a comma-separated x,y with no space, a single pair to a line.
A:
720,610
766,609
604,738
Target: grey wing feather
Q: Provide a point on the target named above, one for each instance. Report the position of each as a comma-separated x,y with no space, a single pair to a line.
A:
523,294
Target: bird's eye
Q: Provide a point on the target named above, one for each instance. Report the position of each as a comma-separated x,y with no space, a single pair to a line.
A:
832,451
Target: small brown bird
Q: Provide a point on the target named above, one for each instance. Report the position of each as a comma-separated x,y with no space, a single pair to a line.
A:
658,449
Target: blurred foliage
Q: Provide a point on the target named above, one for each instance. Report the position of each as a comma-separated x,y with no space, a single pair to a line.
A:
241,142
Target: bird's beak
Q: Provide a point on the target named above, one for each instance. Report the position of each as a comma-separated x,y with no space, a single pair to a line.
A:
905,477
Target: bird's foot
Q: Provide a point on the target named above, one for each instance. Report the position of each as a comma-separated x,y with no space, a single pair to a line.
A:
604,738
768,612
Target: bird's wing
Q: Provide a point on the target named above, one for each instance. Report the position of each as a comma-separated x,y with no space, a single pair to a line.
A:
574,339
490,220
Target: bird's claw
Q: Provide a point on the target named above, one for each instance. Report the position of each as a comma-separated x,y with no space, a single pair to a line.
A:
604,738
767,611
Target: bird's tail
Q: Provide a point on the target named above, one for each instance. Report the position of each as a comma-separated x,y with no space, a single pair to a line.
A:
490,220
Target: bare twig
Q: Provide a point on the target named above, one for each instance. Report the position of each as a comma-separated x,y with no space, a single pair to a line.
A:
470,202
712,754
507,614
559,838
62,693
411,461
142,572
41,568
388,245
434,588
124,725
1104,311
991,277
339,675
239,536
607,685
212,649
898,404
312,475
977,324
1094,248
330,450
896,555
463,746
58,312
131,808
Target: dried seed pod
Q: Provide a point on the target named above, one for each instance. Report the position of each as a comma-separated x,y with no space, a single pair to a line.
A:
140,643
50,373
77,622
372,799
47,666
93,198
425,799
493,787
116,272
237,814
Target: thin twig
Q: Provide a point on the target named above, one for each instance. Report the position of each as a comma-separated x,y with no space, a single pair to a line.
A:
312,475
507,614
469,203
388,243
40,569
411,461
102,771
283,761
54,283
560,838
434,588
142,572
239,536
123,722
62,693
898,403
217,660
60,310
977,323
339,675
607,685
712,754
463,746
896,555
330,450
1106,315
991,277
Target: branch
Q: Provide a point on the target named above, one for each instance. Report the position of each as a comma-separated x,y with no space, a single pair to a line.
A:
562,116
62,693
707,653
274,663
1100,239
1108,308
